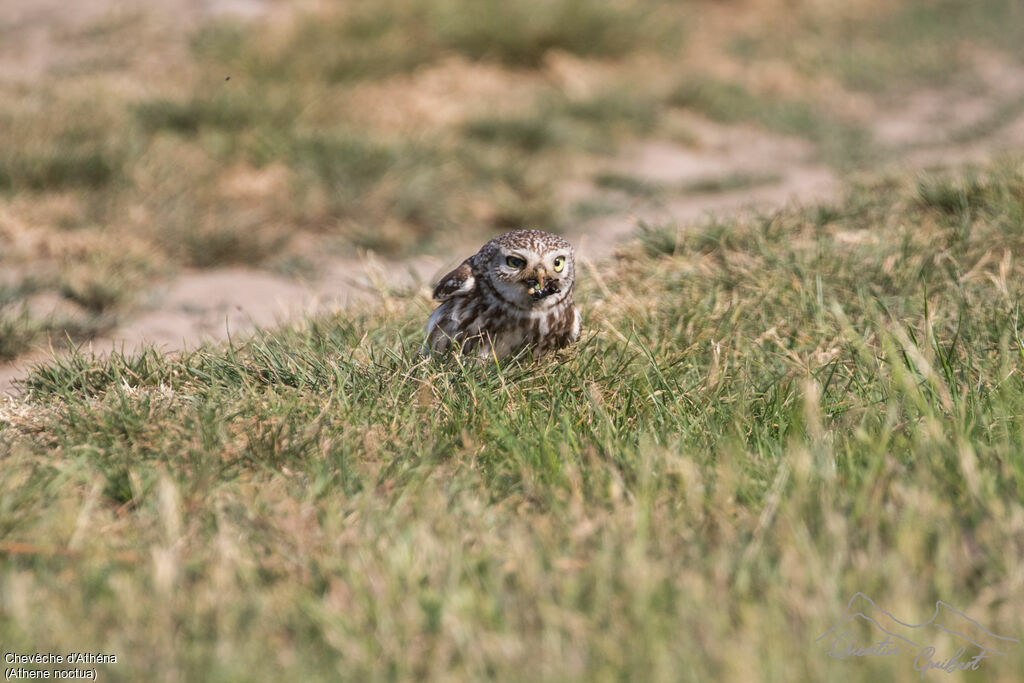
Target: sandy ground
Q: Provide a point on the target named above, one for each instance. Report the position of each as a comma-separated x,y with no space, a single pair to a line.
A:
210,305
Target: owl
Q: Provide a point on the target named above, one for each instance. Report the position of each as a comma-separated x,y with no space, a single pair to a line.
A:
512,295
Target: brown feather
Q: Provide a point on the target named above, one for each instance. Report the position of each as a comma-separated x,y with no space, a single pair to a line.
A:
458,281
478,317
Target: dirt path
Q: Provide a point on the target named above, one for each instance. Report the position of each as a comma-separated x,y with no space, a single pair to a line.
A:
929,127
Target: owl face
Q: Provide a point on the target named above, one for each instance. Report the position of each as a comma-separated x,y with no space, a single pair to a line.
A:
532,273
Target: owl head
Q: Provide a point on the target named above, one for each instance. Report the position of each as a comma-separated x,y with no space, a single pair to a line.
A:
530,268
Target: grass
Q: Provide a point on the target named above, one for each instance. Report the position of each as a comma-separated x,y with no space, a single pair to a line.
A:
23,330
951,196
18,332
175,155
616,107
762,418
586,209
630,184
843,143
225,110
731,182
527,133
85,168
367,42
522,34
409,125
997,118
644,188
591,123
883,50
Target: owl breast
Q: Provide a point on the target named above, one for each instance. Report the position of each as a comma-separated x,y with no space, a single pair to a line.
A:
476,327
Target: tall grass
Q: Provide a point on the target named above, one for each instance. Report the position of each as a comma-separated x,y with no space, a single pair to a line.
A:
761,419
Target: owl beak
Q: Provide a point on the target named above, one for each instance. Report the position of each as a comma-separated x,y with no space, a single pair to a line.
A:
535,284
540,285
540,274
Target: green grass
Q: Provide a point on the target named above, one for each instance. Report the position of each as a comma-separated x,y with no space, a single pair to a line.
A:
619,107
23,330
593,123
228,108
596,207
951,195
374,41
521,34
761,419
630,184
27,324
86,167
529,133
369,42
731,182
636,186
18,332
843,143
883,50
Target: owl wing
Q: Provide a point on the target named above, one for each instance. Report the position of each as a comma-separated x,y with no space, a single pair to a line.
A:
459,282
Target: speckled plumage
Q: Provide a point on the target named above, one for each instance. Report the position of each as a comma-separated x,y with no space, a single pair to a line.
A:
492,308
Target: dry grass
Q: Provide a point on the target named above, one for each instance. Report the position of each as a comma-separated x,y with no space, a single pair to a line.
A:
762,419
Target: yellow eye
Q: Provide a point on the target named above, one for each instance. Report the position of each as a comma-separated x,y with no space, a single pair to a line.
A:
515,262
559,264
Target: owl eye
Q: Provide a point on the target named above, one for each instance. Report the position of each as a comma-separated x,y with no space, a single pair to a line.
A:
515,262
559,264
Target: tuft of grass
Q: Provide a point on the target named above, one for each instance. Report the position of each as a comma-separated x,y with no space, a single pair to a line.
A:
659,240
530,134
229,242
85,167
22,330
730,183
521,34
101,278
1004,113
347,165
590,123
374,41
18,289
763,418
950,195
361,42
19,331
886,50
595,207
729,102
614,108
227,110
841,142
641,187
630,184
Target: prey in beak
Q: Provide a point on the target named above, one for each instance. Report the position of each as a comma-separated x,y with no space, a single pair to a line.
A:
540,285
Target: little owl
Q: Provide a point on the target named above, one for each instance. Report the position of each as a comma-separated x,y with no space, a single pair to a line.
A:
512,295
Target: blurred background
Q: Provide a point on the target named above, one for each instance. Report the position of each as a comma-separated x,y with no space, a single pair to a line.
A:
174,170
